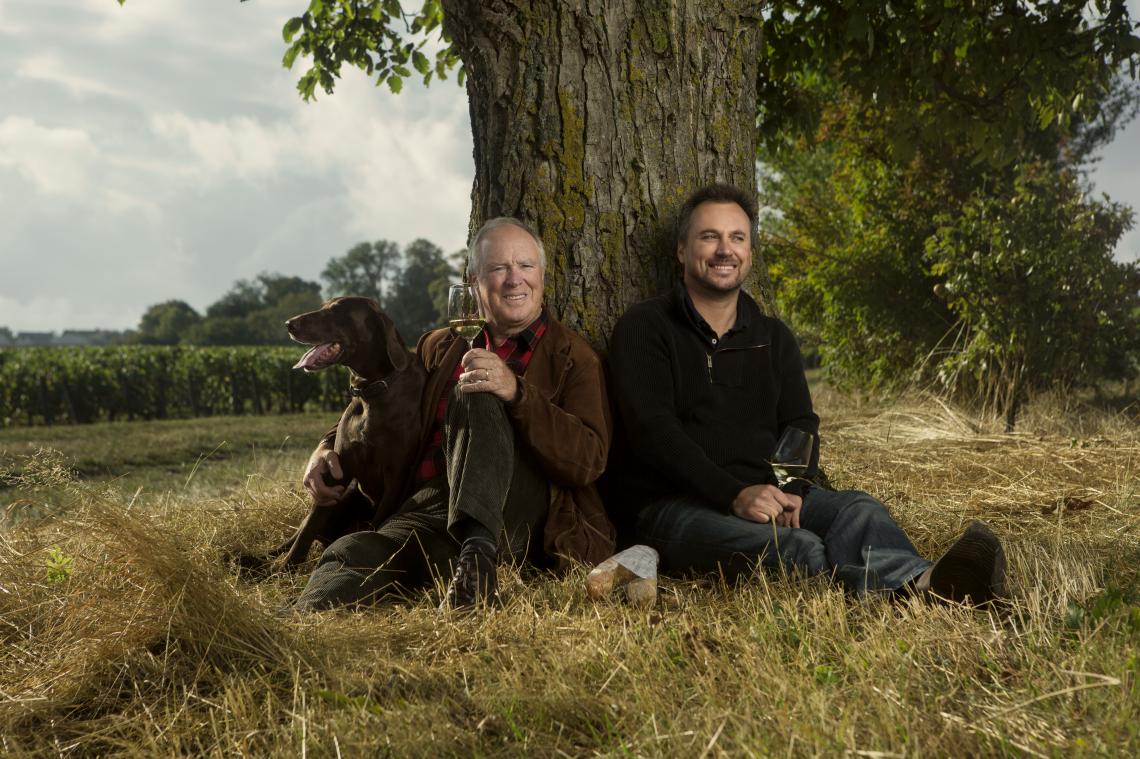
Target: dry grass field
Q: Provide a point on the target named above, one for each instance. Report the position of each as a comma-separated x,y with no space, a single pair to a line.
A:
125,632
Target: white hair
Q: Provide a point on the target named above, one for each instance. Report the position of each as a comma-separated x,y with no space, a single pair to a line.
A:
475,252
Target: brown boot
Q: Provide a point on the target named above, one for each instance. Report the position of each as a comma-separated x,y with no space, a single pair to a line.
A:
972,571
475,582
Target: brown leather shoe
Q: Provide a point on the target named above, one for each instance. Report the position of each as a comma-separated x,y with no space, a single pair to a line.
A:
972,571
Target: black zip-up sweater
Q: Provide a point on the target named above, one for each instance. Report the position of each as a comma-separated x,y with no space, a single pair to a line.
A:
701,414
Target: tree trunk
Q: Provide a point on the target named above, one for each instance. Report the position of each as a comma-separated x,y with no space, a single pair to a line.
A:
594,119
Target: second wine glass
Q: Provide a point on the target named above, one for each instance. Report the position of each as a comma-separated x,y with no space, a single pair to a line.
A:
792,455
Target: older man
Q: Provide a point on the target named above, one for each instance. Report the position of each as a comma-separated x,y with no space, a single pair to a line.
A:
705,384
516,431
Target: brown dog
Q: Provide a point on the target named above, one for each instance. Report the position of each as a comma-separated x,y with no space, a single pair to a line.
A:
377,437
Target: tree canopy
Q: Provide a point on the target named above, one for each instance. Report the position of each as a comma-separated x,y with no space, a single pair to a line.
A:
166,323
252,312
367,269
410,285
986,73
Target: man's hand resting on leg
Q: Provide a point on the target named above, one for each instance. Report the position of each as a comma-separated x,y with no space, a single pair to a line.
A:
765,503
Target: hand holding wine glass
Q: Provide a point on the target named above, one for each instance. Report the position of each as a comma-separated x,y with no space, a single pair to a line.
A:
464,315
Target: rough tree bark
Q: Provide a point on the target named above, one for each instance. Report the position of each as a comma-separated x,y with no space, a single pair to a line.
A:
593,119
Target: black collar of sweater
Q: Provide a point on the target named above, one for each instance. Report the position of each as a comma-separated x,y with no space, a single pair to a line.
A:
750,320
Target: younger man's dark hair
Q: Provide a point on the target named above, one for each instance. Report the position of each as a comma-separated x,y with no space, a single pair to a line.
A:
717,193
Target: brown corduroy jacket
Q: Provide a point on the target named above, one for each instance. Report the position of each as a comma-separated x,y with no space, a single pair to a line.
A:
562,418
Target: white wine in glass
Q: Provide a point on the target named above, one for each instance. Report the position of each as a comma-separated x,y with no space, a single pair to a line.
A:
463,313
792,455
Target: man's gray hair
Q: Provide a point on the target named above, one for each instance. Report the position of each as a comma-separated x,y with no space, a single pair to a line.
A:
475,253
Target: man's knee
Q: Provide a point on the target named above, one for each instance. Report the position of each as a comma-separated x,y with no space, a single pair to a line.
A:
461,406
863,507
359,549
802,551
477,417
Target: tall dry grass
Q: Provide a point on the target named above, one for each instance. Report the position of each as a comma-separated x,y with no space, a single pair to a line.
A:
148,644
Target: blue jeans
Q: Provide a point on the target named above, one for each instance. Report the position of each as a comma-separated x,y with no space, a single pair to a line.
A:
847,534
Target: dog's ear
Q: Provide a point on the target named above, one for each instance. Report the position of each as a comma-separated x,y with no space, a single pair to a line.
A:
393,344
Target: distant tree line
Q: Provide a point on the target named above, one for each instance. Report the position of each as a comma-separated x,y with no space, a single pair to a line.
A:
411,285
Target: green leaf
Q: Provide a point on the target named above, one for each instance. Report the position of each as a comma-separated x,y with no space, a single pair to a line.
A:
401,71
290,56
292,26
393,8
420,61
395,84
307,84
59,565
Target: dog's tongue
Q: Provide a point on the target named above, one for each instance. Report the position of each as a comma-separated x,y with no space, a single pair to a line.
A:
317,357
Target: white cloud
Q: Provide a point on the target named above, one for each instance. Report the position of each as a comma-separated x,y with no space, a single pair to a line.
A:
1115,175
115,23
403,169
49,68
57,160
55,313
239,147
406,173
6,25
221,25
66,162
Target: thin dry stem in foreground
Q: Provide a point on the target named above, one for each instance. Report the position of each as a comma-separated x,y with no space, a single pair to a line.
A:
149,645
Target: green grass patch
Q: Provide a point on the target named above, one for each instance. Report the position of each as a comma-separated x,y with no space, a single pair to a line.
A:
114,448
151,460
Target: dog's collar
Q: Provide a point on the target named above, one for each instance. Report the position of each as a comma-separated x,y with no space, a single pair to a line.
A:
369,389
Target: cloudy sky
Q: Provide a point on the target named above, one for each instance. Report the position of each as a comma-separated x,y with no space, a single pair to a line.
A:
160,151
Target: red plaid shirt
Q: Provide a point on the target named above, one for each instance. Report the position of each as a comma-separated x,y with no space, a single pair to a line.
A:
515,351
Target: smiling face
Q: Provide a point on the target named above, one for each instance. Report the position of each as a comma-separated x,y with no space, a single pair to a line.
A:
716,254
510,280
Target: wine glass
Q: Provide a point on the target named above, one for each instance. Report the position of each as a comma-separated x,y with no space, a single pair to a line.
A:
463,313
792,455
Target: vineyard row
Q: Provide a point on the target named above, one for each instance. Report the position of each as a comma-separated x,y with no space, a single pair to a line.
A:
80,385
